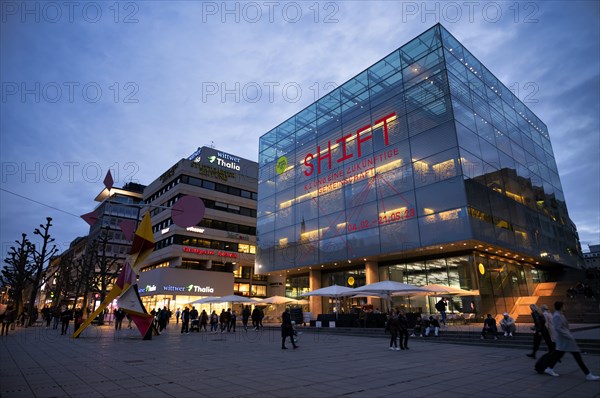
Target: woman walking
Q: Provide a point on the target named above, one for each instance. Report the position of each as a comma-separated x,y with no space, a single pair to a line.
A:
565,342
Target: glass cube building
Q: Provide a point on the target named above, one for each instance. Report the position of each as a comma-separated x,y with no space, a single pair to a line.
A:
424,168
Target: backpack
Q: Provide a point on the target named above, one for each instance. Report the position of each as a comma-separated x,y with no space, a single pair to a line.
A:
543,362
439,306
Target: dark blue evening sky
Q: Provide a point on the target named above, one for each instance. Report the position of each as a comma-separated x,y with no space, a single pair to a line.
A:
136,86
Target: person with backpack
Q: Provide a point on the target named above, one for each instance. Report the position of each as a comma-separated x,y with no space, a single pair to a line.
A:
441,307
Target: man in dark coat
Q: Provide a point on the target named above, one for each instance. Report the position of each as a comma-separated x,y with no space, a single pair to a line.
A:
541,331
185,320
287,329
245,316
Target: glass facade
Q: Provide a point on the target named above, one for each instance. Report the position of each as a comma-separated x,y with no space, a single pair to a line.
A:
425,147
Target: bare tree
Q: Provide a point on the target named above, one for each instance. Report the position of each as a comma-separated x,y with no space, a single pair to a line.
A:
18,270
84,272
106,267
40,258
64,278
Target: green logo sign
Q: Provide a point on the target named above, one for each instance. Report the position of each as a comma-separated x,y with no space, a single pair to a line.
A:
190,287
281,165
211,158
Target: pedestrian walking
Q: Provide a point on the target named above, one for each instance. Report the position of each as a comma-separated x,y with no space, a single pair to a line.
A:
403,330
65,317
203,320
7,320
214,322
256,318
392,327
548,317
565,342
55,317
539,322
185,321
223,320
232,321
77,320
441,307
245,317
287,329
177,315
119,315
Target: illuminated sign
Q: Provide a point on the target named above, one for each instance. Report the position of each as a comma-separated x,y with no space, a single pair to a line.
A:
209,171
225,160
189,288
361,136
147,289
195,229
281,166
198,289
208,252
164,230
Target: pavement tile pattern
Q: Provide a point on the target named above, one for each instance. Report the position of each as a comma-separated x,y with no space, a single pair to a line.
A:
38,362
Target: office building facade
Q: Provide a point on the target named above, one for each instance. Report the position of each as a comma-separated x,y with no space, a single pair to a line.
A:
216,256
424,168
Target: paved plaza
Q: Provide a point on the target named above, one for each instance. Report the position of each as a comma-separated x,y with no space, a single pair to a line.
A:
38,362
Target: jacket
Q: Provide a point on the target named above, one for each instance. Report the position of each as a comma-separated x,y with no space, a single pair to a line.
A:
563,337
286,325
549,325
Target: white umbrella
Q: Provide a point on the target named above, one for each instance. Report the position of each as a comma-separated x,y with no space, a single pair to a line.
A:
276,300
444,291
330,291
205,300
387,288
232,298
370,295
335,291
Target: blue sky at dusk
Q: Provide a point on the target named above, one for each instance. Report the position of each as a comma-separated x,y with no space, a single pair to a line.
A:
136,86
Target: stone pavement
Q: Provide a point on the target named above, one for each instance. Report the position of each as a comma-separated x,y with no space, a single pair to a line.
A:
37,362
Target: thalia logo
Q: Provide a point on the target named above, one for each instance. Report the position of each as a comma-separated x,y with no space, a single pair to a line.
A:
198,289
147,289
212,159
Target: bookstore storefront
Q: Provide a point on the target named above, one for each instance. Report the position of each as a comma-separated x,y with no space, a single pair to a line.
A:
175,287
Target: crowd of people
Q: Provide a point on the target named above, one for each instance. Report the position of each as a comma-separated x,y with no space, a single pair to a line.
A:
193,321
581,290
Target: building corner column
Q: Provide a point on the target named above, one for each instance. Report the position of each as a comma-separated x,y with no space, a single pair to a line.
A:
372,276
316,303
